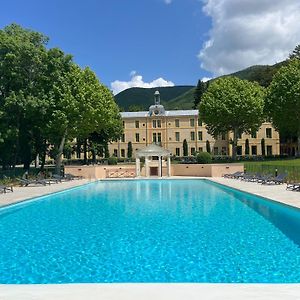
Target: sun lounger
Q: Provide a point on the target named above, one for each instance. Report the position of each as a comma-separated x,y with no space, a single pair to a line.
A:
248,177
72,177
5,188
27,182
295,186
276,180
262,178
231,175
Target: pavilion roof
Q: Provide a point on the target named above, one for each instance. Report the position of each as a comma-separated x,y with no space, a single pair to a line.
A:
153,150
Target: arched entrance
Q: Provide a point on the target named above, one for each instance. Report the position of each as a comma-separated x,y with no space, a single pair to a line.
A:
154,155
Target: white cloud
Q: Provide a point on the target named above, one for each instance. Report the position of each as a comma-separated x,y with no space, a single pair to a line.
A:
168,1
204,79
249,32
137,81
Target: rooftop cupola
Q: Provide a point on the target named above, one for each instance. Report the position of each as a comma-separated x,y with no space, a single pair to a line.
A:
157,98
157,109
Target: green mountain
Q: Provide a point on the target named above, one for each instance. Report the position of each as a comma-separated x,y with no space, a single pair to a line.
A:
261,74
142,98
182,97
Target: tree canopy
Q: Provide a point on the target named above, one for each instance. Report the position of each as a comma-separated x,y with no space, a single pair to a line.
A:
283,100
232,104
295,53
199,91
46,99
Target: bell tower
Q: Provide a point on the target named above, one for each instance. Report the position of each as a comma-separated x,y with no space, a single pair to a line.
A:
157,109
157,98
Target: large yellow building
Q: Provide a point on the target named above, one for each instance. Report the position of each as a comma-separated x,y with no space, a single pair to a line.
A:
170,128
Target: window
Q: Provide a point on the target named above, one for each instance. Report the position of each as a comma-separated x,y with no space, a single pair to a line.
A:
200,149
177,151
137,137
154,137
192,135
192,122
123,138
123,123
156,124
223,136
239,150
216,150
200,136
269,150
176,122
254,150
193,151
177,136
122,152
224,151
199,122
239,135
137,124
116,152
269,133
159,137
254,134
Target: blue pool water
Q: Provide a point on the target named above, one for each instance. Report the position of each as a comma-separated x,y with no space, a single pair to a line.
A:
150,231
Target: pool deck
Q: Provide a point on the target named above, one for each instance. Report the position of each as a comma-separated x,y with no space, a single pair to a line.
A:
276,193
152,291
21,194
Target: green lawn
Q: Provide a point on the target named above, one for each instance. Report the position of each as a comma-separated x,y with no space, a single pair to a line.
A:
289,166
283,162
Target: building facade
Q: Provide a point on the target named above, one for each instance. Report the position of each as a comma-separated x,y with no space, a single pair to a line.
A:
170,128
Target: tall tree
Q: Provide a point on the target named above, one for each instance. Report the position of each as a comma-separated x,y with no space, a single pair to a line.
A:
46,99
82,106
263,147
247,147
283,100
232,104
185,148
22,97
199,91
129,150
208,146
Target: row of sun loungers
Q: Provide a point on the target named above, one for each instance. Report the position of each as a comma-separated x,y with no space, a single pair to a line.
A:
39,181
258,178
47,181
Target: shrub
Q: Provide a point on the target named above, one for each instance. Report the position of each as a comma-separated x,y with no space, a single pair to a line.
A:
204,158
112,160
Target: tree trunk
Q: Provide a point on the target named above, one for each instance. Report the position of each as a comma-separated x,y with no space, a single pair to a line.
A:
58,158
298,144
234,145
43,157
85,151
93,155
37,161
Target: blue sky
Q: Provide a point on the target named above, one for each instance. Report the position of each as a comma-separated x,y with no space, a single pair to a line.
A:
163,42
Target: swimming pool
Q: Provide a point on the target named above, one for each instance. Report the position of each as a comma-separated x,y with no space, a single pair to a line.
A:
150,231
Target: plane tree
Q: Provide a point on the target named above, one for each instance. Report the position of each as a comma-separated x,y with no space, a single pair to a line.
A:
232,104
81,105
283,100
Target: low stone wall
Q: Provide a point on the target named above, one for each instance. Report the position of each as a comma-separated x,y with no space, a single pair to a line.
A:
100,172
205,170
128,171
